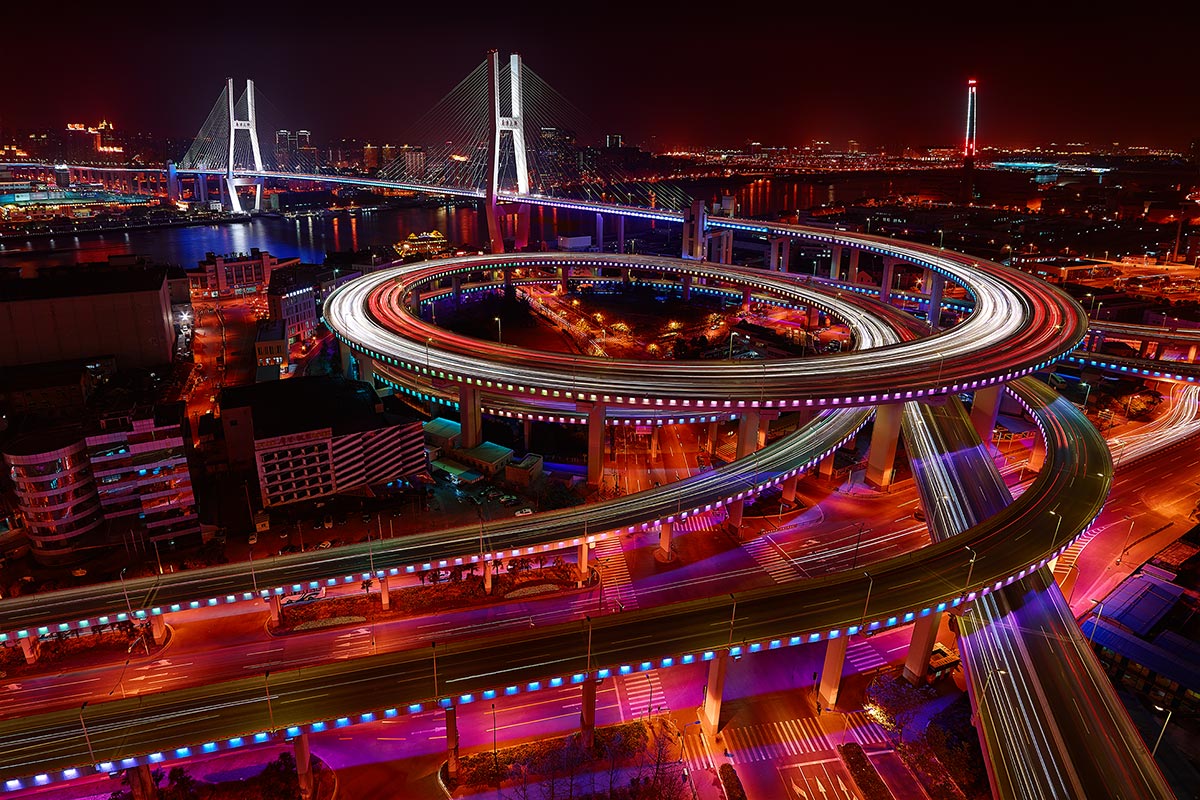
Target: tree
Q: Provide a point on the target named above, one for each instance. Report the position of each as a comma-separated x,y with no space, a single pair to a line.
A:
180,786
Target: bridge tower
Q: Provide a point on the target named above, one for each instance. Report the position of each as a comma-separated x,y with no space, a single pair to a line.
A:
969,143
514,124
248,125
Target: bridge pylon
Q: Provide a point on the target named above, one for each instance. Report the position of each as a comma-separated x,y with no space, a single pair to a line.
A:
248,125
514,124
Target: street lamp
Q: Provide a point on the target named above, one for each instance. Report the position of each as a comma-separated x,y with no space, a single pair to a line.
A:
86,737
732,334
267,685
863,622
970,568
732,617
427,341
495,759
1158,741
1086,394
1096,623
499,331
854,562
1125,545
1057,525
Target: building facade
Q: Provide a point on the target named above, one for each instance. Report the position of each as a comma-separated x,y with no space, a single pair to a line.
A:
235,274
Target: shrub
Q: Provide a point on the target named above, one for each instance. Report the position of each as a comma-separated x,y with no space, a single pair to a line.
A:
732,783
863,772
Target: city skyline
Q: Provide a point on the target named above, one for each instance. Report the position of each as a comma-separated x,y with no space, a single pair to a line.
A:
1054,79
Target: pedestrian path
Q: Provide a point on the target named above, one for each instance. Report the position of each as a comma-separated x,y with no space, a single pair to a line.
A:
1067,560
775,740
617,589
865,730
863,657
771,560
644,694
695,752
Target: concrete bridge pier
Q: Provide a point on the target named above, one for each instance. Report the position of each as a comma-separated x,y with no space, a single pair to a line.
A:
595,454
664,541
452,741
831,671
937,285
835,262
710,711
470,417
924,635
889,278
600,231
748,436
984,410
587,713
304,766
564,280
852,271
158,628
620,234
141,783
686,282
885,438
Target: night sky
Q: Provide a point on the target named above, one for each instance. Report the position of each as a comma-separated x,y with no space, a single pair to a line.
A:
687,74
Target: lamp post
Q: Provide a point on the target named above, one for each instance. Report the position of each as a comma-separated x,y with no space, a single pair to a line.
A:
587,665
124,591
427,370
863,622
1158,741
854,562
499,331
732,617
1086,394
267,685
495,758
1096,624
1125,544
732,334
970,568
1057,525
86,737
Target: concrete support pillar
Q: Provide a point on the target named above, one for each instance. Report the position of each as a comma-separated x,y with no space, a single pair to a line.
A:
712,437
202,188
1142,348
764,427
564,281
385,593
773,253
937,285
620,234
470,416
734,510
521,239
888,279
826,468
582,561
452,741
835,262
747,435
686,281
814,317
746,298
985,409
344,353
1191,354
1037,458
695,221
881,461
30,648
664,540
141,783
600,231
507,271
487,576
158,628
710,712
456,288
587,714
595,454
654,435
924,634
414,303
831,671
1158,350
303,766
527,433
624,275
852,271
789,489
726,247
276,609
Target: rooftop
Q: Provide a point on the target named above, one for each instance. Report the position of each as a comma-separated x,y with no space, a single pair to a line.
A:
307,403
83,282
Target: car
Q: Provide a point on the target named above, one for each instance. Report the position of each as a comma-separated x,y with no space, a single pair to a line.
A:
253,540
366,516
288,549
524,512
325,545
316,524
328,521
283,534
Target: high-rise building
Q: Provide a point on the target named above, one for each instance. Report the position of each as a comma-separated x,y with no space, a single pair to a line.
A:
613,140
414,161
371,156
852,146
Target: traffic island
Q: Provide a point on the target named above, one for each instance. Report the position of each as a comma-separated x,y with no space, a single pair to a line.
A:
863,772
447,590
80,648
633,759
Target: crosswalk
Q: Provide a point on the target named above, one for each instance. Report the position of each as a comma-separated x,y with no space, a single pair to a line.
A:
771,560
644,693
865,730
695,753
771,740
863,657
617,589
1067,560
